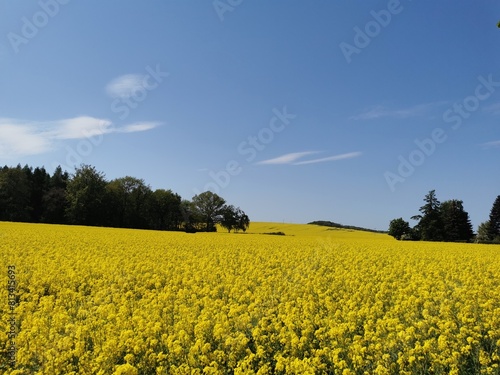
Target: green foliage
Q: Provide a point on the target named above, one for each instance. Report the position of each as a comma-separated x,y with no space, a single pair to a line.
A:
87,198
430,225
128,198
494,222
15,194
483,232
399,228
337,225
234,219
85,194
210,206
447,221
457,225
165,210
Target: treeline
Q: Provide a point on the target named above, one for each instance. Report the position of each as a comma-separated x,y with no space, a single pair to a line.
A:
341,226
447,221
86,198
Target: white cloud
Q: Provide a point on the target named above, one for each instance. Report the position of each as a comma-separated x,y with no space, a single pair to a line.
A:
139,127
349,155
81,127
287,158
375,112
22,138
293,157
124,86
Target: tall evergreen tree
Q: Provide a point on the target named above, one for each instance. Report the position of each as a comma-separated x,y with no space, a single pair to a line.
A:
494,227
430,225
54,200
15,194
457,225
39,185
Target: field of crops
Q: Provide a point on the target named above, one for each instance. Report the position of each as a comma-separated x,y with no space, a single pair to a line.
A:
316,301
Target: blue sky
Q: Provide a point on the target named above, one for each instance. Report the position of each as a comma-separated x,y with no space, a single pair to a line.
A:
295,111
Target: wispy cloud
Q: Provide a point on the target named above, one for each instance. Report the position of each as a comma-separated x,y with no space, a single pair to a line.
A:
23,138
491,144
378,111
349,155
293,157
494,108
124,86
287,158
139,127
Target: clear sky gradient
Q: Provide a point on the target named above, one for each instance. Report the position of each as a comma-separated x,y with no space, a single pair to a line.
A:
349,111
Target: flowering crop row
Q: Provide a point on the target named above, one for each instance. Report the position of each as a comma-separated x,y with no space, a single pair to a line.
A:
114,301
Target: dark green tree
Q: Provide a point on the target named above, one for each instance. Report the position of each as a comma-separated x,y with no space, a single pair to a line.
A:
243,221
127,199
59,179
165,210
55,204
39,186
234,219
457,225
191,217
430,225
229,218
54,200
209,205
494,226
85,194
398,228
14,194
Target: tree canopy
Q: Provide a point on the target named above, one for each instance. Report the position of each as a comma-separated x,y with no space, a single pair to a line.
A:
86,197
398,228
447,221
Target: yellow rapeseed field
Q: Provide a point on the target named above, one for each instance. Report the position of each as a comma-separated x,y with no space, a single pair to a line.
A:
316,301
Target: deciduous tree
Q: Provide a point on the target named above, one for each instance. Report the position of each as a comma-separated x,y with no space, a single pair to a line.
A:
398,228
210,206
85,193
